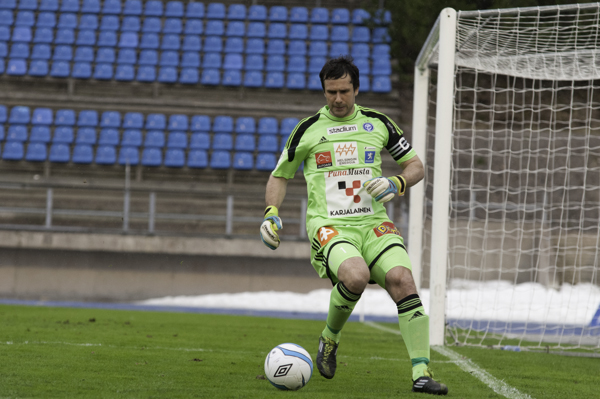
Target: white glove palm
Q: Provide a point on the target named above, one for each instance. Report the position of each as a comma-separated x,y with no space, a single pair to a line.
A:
384,189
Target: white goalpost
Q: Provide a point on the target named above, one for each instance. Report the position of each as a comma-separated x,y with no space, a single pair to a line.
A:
505,230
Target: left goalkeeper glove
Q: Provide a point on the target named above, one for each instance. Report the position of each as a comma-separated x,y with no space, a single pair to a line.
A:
384,188
269,227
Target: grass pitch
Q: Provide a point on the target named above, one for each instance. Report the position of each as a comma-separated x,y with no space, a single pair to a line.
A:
90,353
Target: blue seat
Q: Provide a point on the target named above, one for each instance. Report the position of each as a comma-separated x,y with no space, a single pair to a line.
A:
382,17
257,12
146,73
20,115
360,16
255,46
169,58
319,15
128,40
340,33
268,143
193,27
84,54
86,135
64,36
256,29
233,61
220,160
317,49
223,124
365,84
174,158
3,116
154,138
178,122
200,141
381,84
132,138
151,25
319,33
245,142
361,34
133,120
88,21
46,20
380,35
274,80
39,52
254,62
149,41
315,64
63,134
86,38
111,7
245,125
296,81
25,18
297,47
17,133
174,9
82,153
287,126
106,155
298,32
21,34
296,63
277,31
363,66
151,157
278,14
197,159
107,38
172,25
214,28
59,153
82,70
64,117
265,161
103,72
177,139
243,161
4,33
42,116
299,15
90,6
36,152
222,141
13,151
338,48
131,24
37,68
129,156
156,122
360,50
211,60
191,43
43,35
110,119
234,45
189,76
67,21
236,12
148,57
170,42
153,8
236,28
381,66
132,7
109,137
124,73
231,77
87,118
200,123
381,50
268,125
340,16
105,54
275,63
215,11
48,5
194,10
213,44
19,50
253,79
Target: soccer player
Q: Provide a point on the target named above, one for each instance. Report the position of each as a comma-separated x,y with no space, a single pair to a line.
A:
353,241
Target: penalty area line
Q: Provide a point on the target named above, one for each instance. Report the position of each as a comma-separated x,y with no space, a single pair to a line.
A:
468,366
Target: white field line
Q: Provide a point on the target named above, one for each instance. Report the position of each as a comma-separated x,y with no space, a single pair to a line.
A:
498,386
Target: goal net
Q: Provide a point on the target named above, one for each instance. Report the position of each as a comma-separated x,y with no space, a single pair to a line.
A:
506,224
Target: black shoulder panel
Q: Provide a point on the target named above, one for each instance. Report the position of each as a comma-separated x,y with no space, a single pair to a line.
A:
298,133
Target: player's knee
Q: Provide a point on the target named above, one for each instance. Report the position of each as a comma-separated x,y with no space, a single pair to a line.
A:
357,280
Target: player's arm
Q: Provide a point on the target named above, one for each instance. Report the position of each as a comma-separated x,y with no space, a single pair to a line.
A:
274,195
383,189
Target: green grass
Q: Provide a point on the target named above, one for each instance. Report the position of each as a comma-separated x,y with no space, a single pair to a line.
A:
90,353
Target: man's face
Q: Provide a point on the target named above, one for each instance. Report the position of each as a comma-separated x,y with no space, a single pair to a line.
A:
340,96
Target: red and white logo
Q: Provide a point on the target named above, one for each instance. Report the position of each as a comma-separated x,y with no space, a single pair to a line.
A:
323,159
326,234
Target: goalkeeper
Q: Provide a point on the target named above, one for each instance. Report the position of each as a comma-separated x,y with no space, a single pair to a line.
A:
353,241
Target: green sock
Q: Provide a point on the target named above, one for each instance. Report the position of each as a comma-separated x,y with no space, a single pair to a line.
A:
341,304
414,327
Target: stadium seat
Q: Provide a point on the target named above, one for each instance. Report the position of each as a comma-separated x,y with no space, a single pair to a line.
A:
298,32
214,28
62,53
21,34
200,123
338,48
84,54
169,58
296,63
156,122
340,33
128,40
243,161
381,84
361,34
86,135
17,133
200,141
41,116
46,20
151,25
87,118
256,29
234,45
317,49
363,66
107,38
213,44
314,82
191,43
211,60
265,162
82,153
233,61
194,10
36,152
245,142
174,158
90,6
365,84
131,24
3,115
63,134
220,160
132,7
111,7
360,16
245,125
154,138
4,49
110,119
340,16
149,41
319,15
268,125
382,17
194,27
178,122
380,35
167,74
129,156
133,120
67,21
267,143
216,11
25,18
254,62
39,52
13,151
48,5
277,31
381,50
360,50
255,46
189,76
223,124
275,63
82,70
236,29
197,159
274,80
105,54
174,9
296,81
236,12
170,42
319,33
124,73
287,126
148,57
86,38
59,153
106,155
278,14
177,139
257,13
36,67
381,66
299,15
297,47
153,8
88,22
151,157
315,64
222,141
19,115
109,137
146,74
64,36
253,79
19,50
64,117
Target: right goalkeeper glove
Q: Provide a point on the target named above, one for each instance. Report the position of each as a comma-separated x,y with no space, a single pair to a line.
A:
269,227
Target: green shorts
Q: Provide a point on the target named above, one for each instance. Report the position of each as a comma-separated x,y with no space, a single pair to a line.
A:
380,245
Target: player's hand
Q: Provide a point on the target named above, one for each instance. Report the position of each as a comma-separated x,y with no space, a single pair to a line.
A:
383,189
269,227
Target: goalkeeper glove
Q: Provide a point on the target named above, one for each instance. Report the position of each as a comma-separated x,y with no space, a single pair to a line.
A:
269,227
384,188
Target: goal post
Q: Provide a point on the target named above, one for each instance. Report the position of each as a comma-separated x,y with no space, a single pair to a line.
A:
505,230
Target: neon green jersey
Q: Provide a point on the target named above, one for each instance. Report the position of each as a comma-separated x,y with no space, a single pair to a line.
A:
339,155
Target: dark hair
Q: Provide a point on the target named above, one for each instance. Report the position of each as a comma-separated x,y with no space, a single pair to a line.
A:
339,67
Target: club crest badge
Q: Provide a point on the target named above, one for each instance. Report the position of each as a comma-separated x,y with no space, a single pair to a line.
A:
368,126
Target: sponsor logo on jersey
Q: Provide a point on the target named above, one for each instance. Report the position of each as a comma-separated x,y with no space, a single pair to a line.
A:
346,153
342,129
370,154
323,140
368,126
323,159
345,194
386,228
326,233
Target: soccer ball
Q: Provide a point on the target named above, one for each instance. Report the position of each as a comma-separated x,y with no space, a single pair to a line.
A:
288,367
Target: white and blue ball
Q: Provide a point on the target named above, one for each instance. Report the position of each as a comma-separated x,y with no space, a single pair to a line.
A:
288,367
